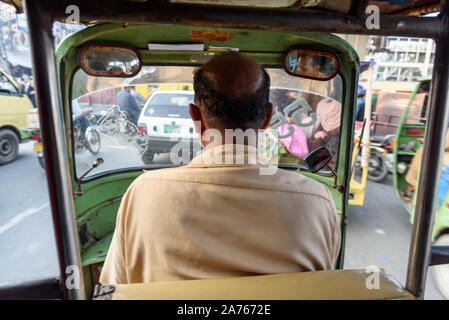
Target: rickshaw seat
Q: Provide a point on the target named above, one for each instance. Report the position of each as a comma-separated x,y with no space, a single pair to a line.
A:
322,285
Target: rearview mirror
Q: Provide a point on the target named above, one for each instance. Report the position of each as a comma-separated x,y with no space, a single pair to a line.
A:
318,159
318,65
109,61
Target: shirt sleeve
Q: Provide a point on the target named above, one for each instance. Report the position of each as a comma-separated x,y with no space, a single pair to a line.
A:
142,98
336,231
138,96
335,236
114,268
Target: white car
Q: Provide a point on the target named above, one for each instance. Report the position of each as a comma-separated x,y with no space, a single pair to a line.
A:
165,119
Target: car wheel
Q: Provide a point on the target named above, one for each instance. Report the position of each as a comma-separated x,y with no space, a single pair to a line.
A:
41,160
148,157
440,273
9,146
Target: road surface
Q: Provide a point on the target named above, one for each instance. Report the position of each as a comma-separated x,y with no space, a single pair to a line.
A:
379,234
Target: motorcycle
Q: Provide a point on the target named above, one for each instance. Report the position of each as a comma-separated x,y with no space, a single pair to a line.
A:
380,164
34,132
91,140
36,136
381,161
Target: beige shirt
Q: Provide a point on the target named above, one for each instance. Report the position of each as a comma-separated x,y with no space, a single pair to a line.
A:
221,220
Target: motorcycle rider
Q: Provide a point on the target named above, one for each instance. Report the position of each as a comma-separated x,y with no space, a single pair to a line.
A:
79,118
413,174
128,104
137,96
360,115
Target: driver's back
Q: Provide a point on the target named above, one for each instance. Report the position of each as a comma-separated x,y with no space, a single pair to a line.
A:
221,220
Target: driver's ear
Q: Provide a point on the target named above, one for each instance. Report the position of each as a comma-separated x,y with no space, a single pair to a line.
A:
267,121
195,114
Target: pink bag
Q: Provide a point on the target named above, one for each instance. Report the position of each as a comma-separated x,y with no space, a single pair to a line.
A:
296,144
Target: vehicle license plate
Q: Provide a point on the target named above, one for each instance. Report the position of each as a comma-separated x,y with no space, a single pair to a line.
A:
37,147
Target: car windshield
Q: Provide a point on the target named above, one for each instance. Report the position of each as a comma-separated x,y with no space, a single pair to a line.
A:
136,122
6,85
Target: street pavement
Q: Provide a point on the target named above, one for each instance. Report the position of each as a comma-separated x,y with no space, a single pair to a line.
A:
27,242
377,234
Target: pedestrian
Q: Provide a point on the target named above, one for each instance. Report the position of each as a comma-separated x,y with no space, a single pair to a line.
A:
31,91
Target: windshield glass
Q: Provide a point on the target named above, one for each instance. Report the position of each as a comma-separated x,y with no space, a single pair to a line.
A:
6,85
136,122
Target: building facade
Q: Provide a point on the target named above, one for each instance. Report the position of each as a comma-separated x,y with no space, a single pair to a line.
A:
400,59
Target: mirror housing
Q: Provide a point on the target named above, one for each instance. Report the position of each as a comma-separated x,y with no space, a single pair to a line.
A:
109,61
318,159
311,64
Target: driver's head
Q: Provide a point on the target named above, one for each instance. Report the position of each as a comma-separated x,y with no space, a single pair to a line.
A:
231,92
309,64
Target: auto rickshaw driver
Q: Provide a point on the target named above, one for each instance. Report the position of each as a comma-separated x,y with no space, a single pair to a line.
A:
309,64
213,220
413,172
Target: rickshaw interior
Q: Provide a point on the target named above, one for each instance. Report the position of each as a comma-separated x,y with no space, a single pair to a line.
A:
100,191
154,47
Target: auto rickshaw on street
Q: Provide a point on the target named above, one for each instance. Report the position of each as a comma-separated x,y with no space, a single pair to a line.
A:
14,107
407,154
160,42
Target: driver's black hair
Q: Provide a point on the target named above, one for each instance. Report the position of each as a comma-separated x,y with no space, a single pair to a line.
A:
319,60
232,111
323,62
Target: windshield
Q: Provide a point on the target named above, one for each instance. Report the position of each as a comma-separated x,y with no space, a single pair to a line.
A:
6,85
136,122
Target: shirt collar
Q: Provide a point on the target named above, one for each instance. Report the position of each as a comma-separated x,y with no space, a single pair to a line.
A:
229,155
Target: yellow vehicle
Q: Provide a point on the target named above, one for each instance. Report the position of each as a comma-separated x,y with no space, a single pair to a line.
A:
14,106
176,86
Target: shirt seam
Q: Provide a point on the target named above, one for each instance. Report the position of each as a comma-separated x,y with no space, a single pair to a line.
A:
237,186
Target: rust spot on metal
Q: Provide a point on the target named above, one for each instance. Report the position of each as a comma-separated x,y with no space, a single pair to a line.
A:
211,35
